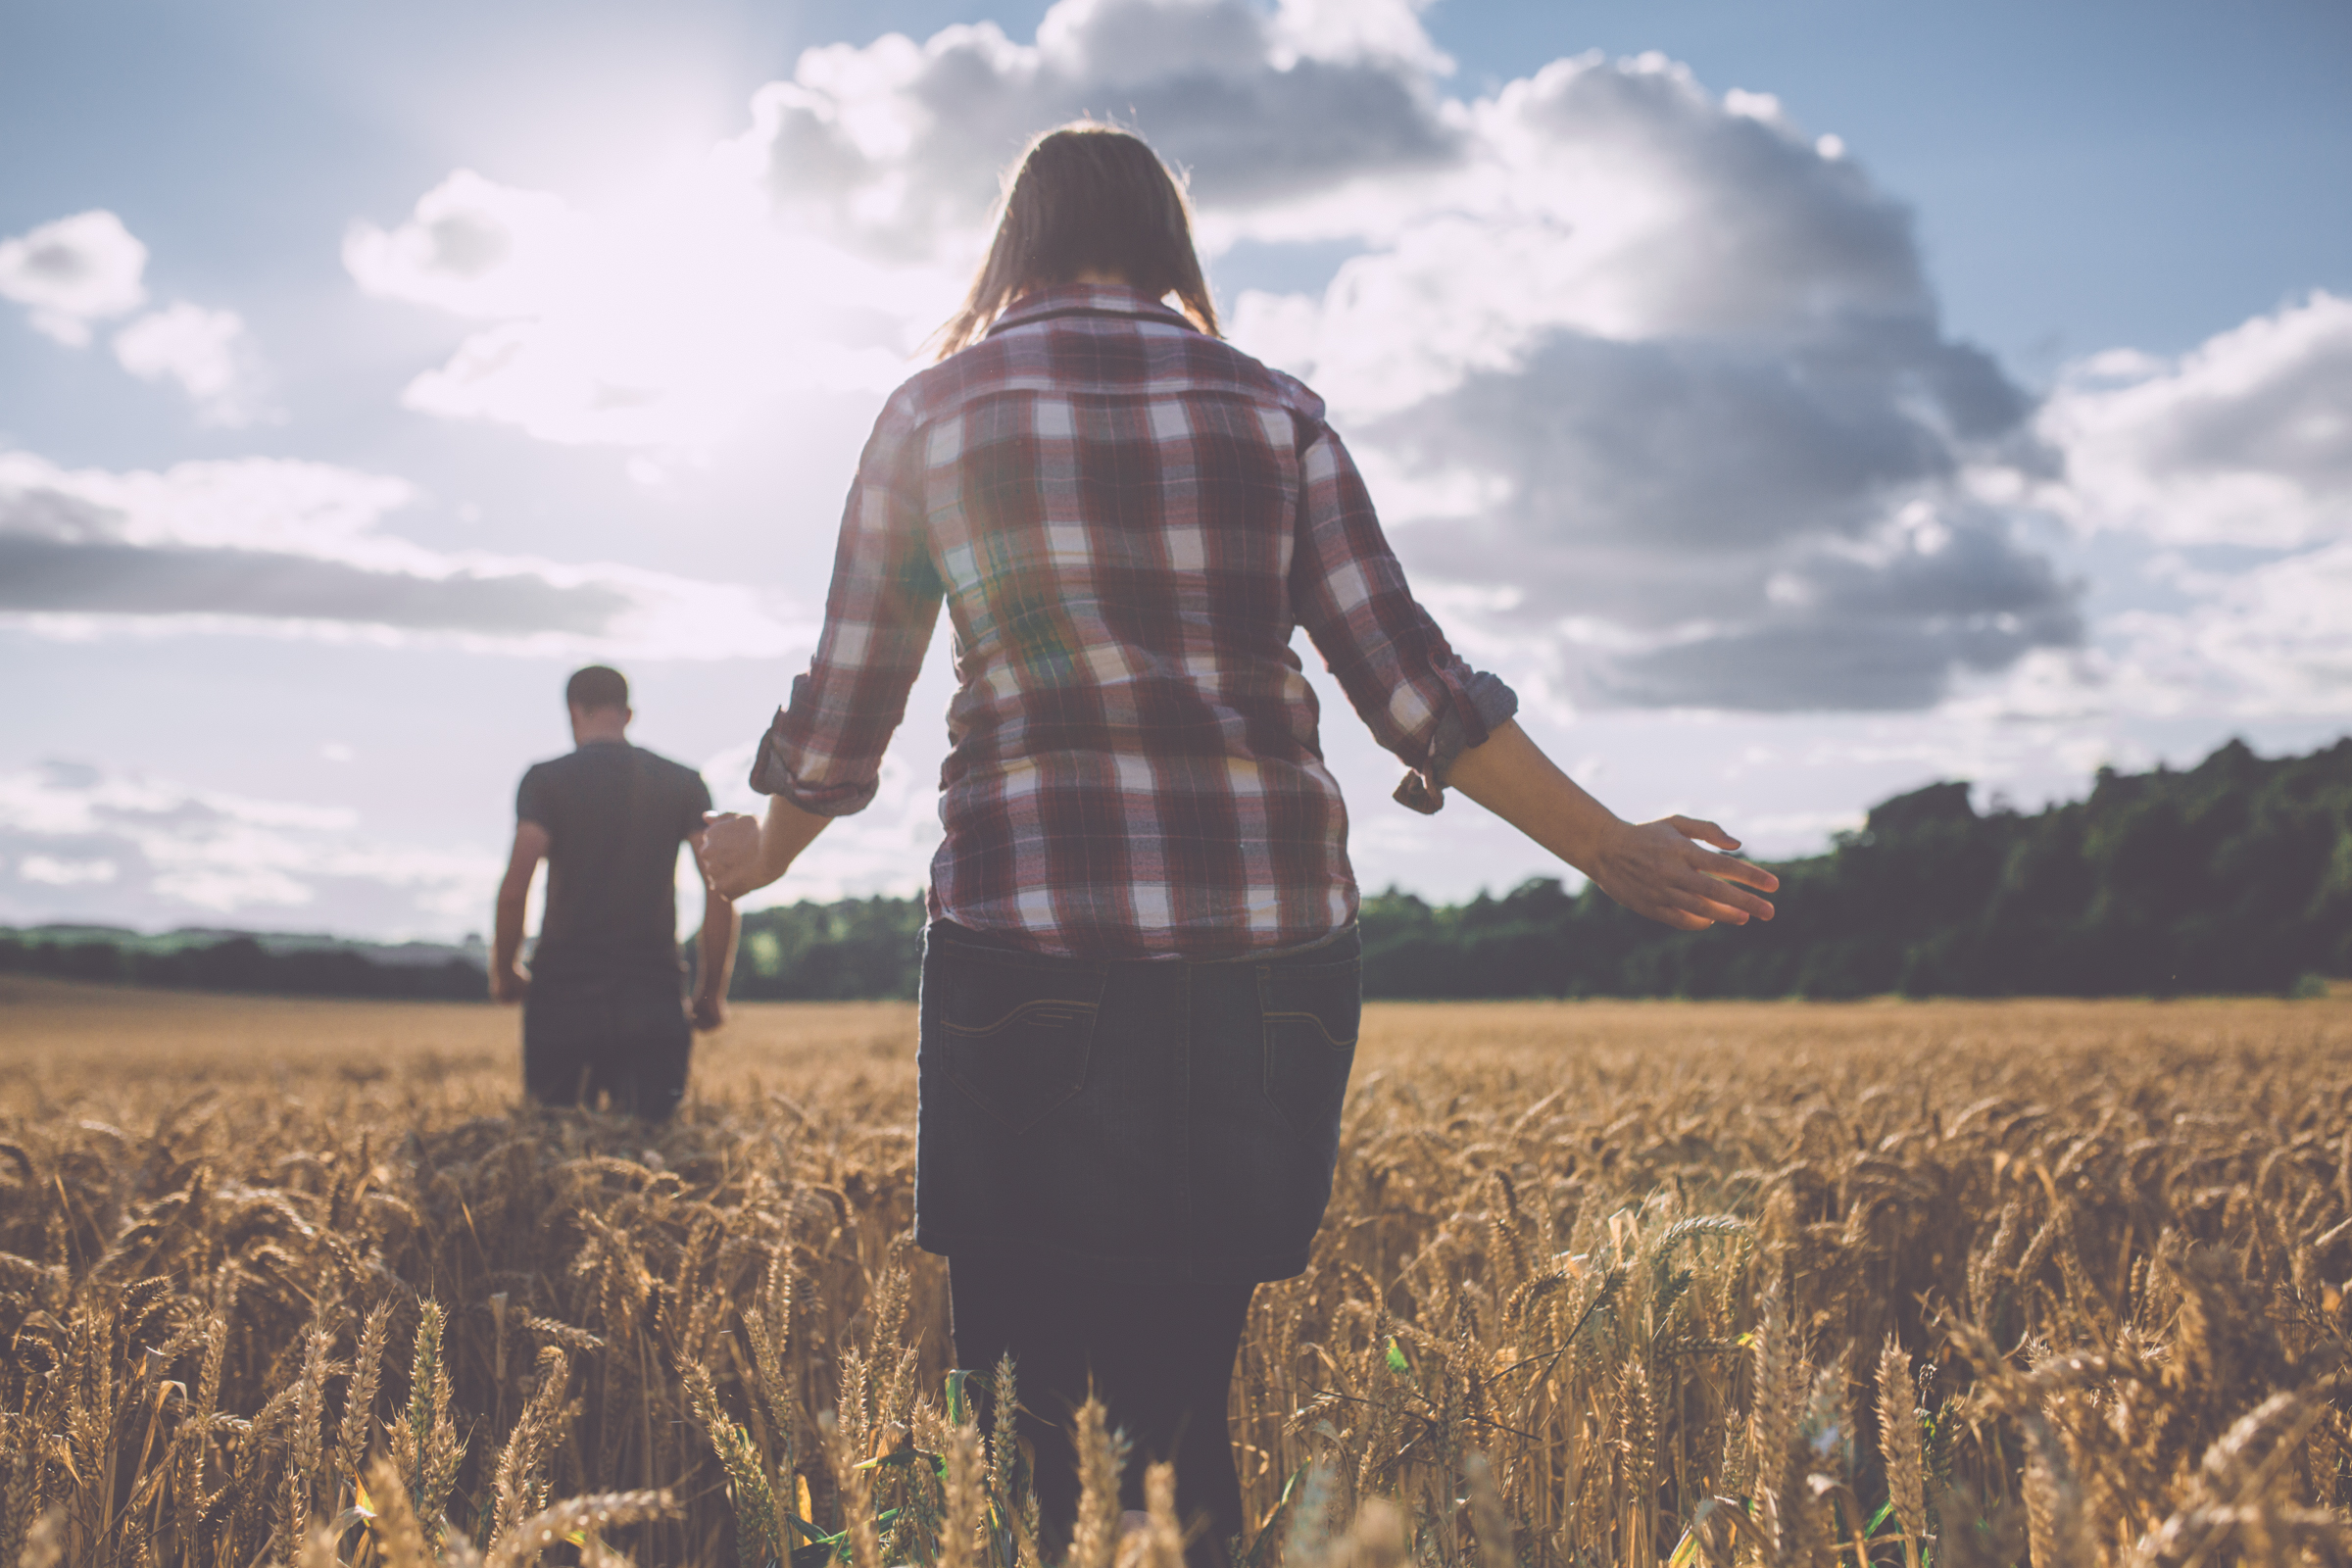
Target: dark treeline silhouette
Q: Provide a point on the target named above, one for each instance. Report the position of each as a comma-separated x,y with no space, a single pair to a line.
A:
240,965
2232,876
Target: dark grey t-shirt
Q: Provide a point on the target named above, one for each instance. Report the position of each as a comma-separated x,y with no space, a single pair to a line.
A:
614,814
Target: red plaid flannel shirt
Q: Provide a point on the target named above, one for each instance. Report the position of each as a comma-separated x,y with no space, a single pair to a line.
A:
1127,518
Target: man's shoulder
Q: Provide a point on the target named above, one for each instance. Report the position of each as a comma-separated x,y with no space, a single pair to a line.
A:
554,772
663,764
542,775
673,773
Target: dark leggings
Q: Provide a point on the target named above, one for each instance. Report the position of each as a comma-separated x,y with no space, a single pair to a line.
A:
1158,1353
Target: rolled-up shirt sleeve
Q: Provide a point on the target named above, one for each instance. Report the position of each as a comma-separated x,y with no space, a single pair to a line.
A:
824,752
1421,700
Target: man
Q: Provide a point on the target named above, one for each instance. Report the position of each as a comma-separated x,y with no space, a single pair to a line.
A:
602,1012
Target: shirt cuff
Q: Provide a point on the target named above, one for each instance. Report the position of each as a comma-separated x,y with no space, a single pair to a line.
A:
772,775
1492,705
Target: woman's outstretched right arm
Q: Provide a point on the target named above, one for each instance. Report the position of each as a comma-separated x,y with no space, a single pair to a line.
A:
1662,869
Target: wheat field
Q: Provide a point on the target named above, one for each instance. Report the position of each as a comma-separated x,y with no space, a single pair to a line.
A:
2059,1283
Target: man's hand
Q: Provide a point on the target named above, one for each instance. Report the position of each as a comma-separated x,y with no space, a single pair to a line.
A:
728,850
1655,869
709,1012
510,983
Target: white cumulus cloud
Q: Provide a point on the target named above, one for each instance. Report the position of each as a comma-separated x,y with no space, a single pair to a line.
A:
2216,490
2247,440
1673,379
73,272
206,352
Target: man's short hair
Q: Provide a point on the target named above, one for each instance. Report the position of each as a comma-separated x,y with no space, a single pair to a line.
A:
596,687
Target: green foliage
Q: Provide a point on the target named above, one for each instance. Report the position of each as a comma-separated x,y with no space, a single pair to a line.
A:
2234,876
856,950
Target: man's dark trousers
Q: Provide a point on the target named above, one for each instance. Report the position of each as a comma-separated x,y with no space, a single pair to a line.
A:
607,1027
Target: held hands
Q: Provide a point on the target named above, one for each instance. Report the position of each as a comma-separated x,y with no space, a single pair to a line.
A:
510,984
1656,870
708,1012
728,849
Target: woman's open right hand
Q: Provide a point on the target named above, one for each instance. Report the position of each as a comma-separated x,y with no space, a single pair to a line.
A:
1662,869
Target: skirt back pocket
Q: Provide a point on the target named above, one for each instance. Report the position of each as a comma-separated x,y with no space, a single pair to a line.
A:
1310,1014
1017,1037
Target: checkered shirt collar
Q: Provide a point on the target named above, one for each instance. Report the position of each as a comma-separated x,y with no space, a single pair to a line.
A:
1085,299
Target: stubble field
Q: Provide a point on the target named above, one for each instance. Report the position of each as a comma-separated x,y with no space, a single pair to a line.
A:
1601,1283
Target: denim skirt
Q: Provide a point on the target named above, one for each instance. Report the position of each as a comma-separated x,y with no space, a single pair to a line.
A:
1163,1115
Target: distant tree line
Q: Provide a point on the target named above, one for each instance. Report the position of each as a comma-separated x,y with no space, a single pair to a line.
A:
854,950
236,965
2232,876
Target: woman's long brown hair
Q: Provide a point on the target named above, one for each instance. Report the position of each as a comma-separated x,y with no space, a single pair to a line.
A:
1087,198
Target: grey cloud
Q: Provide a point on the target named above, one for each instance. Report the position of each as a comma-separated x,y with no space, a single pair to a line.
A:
468,245
49,575
59,266
2292,422
1978,397
1614,451
1657,484
1758,491
1972,579
1733,453
1866,665
54,517
1200,79
1848,631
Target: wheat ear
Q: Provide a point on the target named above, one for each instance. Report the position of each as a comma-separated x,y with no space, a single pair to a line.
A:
1899,1447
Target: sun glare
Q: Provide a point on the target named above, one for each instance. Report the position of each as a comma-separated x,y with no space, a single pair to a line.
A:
657,312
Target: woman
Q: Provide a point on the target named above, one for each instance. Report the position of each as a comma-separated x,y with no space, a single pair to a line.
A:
1141,977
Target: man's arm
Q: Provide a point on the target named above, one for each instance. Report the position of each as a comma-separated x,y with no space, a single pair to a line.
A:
509,979
1653,868
715,959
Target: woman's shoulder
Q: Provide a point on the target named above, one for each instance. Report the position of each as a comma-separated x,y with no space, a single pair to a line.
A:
1177,358
1254,377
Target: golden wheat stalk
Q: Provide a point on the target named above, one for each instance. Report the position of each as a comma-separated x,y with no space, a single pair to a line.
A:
965,1513
853,1487
1101,1456
593,1517
1899,1447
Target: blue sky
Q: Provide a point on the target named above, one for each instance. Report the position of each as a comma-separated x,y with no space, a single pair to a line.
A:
1799,404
